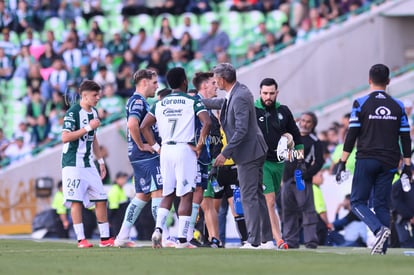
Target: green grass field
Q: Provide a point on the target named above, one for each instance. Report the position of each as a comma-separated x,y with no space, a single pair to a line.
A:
57,257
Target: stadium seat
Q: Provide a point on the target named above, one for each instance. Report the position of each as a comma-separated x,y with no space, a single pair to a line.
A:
252,18
141,21
56,25
239,46
12,118
82,25
275,19
111,7
206,18
17,88
180,18
115,21
232,23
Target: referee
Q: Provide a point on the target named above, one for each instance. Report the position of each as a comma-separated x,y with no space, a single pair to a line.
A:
377,123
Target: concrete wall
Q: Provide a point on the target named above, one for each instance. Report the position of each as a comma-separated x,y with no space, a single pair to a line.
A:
336,60
18,204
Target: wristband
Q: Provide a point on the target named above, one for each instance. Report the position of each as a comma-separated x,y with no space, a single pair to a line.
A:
88,128
156,147
101,161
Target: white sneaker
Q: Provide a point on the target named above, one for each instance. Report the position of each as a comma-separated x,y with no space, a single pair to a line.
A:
184,245
124,243
169,242
247,245
268,245
156,239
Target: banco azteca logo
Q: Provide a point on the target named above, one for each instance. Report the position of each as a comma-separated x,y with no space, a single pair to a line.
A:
382,112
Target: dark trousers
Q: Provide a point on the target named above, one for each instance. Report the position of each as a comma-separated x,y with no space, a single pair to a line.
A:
254,204
298,211
372,178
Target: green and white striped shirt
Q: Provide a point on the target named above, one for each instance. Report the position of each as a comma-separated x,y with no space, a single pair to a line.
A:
78,153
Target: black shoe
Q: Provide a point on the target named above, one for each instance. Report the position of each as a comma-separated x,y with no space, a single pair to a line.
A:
215,243
311,246
195,243
380,239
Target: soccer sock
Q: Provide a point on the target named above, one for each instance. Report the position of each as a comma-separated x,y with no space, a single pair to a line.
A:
162,215
241,226
80,234
193,220
155,203
183,225
131,214
103,230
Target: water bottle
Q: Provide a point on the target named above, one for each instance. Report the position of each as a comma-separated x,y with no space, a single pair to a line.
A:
238,207
300,183
214,184
405,183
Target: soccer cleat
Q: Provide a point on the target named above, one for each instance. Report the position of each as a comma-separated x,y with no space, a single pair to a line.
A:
247,245
380,238
195,243
169,242
84,244
184,245
215,243
124,243
268,245
107,243
282,245
156,238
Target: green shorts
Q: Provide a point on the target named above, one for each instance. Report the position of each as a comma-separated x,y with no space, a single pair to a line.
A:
272,176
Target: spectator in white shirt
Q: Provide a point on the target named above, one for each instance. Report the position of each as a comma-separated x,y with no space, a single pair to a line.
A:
104,76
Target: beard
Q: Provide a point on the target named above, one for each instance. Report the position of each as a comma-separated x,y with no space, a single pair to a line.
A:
268,102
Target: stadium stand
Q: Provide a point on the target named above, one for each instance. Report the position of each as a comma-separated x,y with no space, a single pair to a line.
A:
14,94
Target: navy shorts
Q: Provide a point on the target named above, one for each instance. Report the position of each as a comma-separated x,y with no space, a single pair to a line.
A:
202,175
147,175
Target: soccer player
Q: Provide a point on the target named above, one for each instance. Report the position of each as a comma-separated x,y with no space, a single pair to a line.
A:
81,180
175,115
146,164
205,85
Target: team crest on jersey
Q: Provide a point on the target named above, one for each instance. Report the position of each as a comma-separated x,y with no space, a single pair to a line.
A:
71,192
142,181
280,116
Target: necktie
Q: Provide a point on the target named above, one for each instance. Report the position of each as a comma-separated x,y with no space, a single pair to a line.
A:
223,110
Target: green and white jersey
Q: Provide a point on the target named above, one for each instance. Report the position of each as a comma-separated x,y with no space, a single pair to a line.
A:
78,153
175,116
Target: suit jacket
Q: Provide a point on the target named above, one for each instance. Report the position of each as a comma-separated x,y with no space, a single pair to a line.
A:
245,141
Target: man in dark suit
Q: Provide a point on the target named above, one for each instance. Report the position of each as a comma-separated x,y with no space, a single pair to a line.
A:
247,147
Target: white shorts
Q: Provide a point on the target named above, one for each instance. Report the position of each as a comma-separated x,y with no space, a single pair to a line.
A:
82,185
178,165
